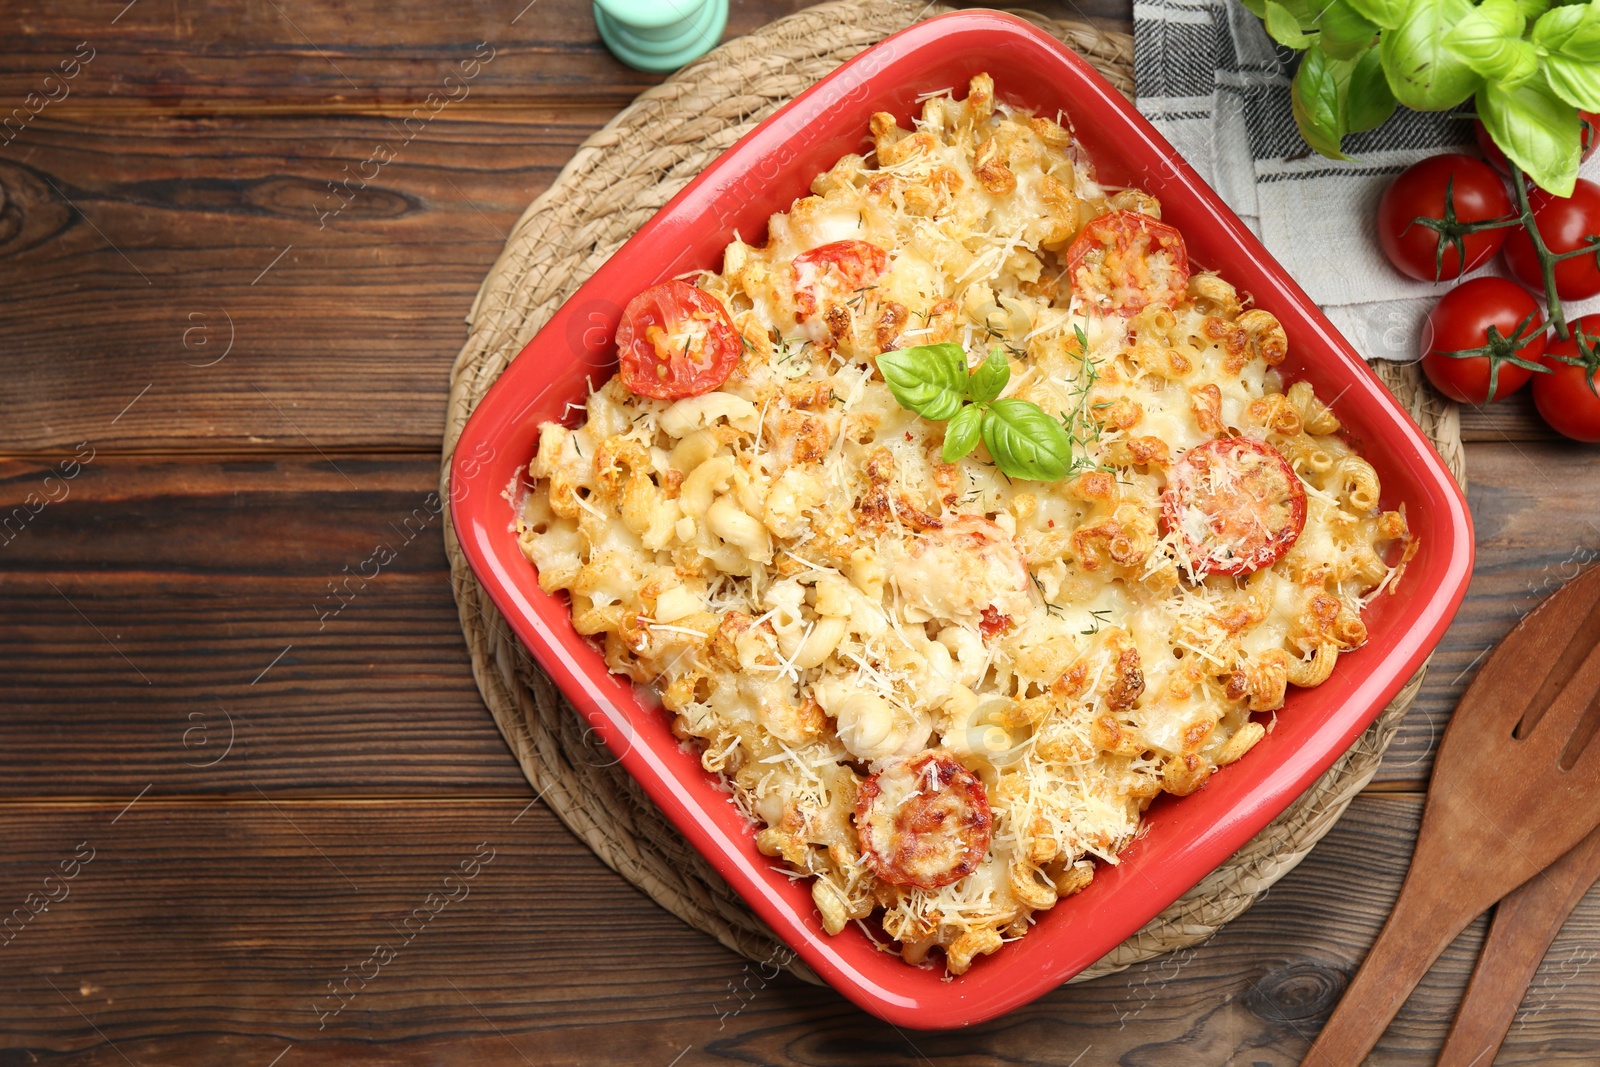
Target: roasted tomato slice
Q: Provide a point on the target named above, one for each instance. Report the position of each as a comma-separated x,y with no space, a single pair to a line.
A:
676,341
1237,504
923,821
1124,260
845,267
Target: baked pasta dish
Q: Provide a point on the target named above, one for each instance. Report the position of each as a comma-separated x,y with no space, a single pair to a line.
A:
956,522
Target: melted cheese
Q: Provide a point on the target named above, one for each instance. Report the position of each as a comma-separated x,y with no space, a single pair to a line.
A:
816,595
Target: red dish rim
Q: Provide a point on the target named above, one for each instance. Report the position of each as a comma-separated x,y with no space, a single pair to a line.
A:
1184,839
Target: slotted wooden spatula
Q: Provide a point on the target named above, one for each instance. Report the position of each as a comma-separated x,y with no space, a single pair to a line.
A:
1515,785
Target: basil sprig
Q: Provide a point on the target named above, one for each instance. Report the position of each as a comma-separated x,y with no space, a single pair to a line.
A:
1531,63
932,380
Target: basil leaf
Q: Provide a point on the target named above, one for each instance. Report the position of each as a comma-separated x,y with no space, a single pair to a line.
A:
961,433
1283,27
1425,73
1305,12
1572,32
1387,14
1025,442
1576,82
1489,40
1570,39
1501,17
1532,9
928,379
990,378
1258,8
1516,62
1317,98
1536,130
1369,102
1345,31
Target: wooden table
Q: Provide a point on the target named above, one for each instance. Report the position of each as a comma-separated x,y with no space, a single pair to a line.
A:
218,796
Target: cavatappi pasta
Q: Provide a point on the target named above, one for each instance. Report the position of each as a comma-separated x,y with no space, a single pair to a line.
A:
940,693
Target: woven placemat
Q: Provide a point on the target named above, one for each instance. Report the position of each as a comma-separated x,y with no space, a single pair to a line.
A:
619,178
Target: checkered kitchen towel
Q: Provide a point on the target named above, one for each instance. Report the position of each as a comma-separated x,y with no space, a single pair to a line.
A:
1215,84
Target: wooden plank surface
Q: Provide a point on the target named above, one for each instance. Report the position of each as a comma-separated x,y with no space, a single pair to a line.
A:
205,933
232,54
178,605
270,786
246,304
245,590
227,298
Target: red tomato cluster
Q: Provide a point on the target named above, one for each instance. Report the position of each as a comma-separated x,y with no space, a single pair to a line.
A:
1451,214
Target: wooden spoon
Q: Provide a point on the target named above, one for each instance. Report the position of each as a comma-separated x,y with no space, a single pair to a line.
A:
1515,786
1525,923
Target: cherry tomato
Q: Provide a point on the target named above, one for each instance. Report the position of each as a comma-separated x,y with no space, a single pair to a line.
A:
1566,224
923,821
1238,504
1497,158
844,266
1416,216
1124,260
676,341
1462,322
1566,397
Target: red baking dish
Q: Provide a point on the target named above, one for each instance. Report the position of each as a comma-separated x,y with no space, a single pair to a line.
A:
1186,838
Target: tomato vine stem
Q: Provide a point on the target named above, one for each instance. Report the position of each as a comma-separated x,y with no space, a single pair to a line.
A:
1547,259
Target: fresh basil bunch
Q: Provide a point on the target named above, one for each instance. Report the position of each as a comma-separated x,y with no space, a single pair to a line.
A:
1532,64
932,380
